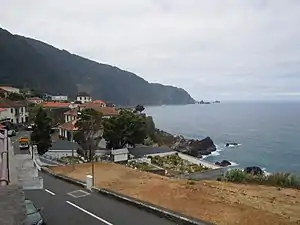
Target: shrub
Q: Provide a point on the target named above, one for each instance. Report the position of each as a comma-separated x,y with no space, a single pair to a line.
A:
282,180
236,175
276,179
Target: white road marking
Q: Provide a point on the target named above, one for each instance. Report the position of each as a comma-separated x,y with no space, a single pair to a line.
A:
50,192
89,213
78,193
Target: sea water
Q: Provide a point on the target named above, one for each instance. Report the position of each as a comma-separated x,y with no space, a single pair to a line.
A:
268,133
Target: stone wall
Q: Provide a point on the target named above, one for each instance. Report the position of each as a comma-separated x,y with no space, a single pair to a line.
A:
12,198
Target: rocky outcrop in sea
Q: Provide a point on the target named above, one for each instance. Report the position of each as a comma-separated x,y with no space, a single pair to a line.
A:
196,148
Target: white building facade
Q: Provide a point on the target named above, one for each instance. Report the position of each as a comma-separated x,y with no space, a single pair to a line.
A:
14,111
59,98
84,98
10,89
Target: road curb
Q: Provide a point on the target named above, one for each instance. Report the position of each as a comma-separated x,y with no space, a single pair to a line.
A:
60,176
172,216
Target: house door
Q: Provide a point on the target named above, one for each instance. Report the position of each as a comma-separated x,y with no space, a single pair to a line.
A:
69,135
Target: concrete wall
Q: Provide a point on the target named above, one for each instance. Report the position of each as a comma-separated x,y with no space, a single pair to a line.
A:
120,157
198,161
12,207
213,174
62,153
162,154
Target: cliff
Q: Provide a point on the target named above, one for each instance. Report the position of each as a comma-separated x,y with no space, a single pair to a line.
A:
29,63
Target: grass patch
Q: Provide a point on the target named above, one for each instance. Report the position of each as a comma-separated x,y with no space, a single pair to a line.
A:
69,160
286,180
140,165
176,165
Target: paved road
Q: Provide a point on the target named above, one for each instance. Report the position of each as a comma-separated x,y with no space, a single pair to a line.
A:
61,205
15,142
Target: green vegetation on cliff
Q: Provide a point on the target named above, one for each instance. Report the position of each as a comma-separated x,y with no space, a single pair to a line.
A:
29,63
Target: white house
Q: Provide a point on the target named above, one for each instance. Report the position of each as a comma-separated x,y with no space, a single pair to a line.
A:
67,129
4,114
15,111
35,100
10,89
59,98
83,98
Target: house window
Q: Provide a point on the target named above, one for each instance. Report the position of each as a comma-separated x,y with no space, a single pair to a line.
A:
22,109
12,110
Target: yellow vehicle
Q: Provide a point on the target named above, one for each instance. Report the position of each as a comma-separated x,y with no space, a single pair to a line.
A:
24,143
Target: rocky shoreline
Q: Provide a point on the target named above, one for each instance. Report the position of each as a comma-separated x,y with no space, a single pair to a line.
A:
193,147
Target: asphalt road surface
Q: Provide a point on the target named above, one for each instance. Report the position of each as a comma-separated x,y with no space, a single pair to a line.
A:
68,204
15,142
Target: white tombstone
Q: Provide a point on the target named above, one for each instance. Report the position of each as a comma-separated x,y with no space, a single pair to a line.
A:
89,182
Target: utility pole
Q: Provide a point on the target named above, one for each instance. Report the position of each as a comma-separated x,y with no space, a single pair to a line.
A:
93,165
73,161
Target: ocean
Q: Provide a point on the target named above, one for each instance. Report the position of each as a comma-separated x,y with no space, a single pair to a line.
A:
268,132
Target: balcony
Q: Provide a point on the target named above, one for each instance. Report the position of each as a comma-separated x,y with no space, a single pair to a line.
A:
20,114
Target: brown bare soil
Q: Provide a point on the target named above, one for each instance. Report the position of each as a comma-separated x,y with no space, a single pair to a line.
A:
217,202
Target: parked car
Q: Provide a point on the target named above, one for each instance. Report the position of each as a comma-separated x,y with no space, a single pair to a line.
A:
34,216
11,133
30,127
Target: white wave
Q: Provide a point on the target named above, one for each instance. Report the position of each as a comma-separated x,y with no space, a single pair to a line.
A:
220,148
232,146
266,172
233,163
215,153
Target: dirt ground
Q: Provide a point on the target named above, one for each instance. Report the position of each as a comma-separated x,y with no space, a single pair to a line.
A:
217,202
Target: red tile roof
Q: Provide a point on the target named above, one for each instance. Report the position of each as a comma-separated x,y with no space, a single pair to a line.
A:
5,103
56,104
99,102
34,98
69,125
106,111
72,112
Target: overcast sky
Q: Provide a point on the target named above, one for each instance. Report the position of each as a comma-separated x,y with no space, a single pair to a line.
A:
215,49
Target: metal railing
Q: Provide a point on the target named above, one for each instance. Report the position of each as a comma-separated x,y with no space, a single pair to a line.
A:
4,177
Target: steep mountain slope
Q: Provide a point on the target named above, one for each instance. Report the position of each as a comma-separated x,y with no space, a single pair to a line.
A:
30,63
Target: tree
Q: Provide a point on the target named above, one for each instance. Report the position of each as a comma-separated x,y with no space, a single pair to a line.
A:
89,132
126,128
15,96
41,132
139,108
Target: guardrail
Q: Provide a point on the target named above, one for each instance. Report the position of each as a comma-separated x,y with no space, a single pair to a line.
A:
4,177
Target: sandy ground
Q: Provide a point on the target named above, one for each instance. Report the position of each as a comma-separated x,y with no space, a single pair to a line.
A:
217,202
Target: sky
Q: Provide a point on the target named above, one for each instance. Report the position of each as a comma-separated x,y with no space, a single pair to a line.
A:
214,49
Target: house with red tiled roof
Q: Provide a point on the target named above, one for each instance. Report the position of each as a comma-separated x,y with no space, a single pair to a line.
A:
99,102
35,100
55,105
10,89
71,117
13,111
